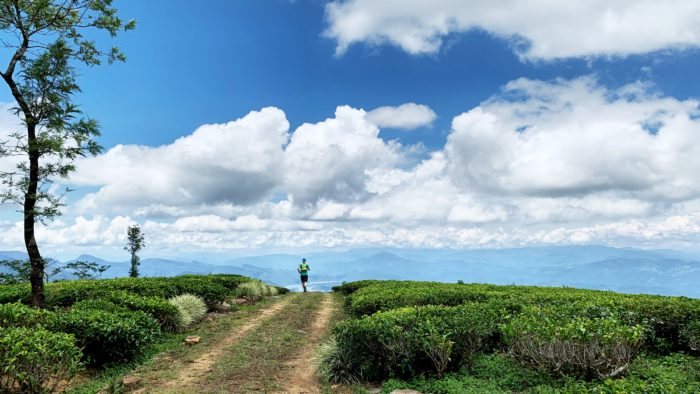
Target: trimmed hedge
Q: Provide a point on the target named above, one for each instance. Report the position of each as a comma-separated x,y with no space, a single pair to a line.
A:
409,341
213,289
107,337
552,340
35,360
665,317
104,336
20,315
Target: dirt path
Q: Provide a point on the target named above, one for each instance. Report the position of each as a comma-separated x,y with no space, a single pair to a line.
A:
301,377
187,377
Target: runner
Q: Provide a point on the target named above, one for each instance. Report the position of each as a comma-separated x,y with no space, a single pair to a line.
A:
303,270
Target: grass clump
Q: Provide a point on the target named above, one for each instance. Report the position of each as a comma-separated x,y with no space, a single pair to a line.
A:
256,290
190,309
334,364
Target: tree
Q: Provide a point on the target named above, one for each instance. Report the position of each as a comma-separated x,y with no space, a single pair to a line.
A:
135,242
45,40
18,271
86,269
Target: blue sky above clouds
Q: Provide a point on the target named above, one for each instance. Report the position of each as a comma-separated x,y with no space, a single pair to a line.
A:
275,125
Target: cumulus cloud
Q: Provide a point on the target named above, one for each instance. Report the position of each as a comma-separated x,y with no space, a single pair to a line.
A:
407,116
332,159
573,138
541,162
239,162
537,29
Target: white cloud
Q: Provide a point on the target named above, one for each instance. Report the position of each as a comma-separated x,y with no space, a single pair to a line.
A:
407,116
537,29
564,161
332,159
240,162
573,138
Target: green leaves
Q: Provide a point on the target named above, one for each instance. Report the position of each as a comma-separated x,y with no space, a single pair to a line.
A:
36,360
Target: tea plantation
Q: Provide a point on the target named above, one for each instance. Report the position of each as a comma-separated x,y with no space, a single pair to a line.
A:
98,324
457,338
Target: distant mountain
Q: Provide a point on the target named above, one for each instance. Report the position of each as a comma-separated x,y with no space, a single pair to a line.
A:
628,270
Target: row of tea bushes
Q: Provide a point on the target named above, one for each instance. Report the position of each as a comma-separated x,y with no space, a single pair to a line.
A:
213,289
405,329
668,319
96,322
104,336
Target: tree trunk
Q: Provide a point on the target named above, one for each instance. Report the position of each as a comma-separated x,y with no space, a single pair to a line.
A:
36,277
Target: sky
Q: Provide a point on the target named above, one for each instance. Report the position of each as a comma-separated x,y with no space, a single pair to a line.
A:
256,126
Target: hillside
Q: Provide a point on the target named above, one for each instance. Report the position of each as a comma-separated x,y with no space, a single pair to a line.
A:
459,338
664,272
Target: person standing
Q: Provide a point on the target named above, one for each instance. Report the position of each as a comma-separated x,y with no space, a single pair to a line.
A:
303,270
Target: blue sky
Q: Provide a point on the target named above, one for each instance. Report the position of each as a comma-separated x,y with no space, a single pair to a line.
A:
212,62
187,67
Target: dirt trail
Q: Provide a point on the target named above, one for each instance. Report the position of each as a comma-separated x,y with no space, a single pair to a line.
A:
194,372
301,377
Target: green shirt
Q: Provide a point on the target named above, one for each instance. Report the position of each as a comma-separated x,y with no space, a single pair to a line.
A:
304,269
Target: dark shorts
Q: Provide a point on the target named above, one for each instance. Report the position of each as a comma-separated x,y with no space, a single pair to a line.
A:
305,278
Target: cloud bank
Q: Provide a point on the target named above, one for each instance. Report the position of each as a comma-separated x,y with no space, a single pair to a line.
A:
536,29
541,162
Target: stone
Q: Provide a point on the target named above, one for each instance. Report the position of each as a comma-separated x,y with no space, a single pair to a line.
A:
192,340
240,301
224,308
131,382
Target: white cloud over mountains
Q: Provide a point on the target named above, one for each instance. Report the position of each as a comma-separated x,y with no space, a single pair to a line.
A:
542,162
537,29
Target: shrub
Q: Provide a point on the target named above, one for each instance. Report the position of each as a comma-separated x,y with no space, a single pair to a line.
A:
190,307
35,360
551,340
99,305
691,335
409,341
15,293
159,308
20,315
106,337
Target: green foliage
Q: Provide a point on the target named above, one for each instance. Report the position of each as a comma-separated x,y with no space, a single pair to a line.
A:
106,337
691,335
190,308
36,360
20,315
85,269
135,242
15,293
553,340
335,364
18,272
409,341
351,287
99,305
663,317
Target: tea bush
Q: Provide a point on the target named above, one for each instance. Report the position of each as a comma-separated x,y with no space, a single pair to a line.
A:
664,317
20,315
408,341
551,339
106,337
35,360
691,335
